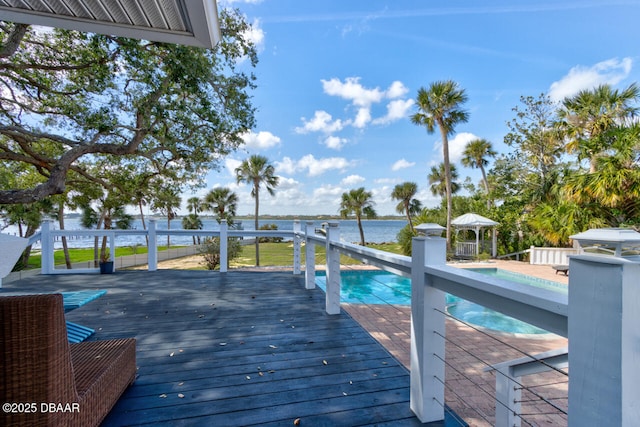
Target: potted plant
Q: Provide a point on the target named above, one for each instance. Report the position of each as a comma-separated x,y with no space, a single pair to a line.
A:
106,265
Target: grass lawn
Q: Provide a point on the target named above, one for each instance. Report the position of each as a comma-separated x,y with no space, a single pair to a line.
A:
271,254
277,254
87,254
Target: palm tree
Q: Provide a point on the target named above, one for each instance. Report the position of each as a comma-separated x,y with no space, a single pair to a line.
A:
586,117
358,202
475,155
223,202
437,180
195,205
257,170
192,222
404,193
614,186
440,106
166,201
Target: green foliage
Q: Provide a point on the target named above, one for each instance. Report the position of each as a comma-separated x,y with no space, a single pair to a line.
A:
358,202
407,205
210,250
95,104
270,239
405,238
223,202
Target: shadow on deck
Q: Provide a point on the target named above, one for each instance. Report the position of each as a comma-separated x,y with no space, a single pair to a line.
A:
238,349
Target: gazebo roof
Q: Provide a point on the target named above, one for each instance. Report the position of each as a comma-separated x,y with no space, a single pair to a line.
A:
473,220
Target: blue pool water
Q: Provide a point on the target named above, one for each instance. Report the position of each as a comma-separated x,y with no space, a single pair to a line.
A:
381,287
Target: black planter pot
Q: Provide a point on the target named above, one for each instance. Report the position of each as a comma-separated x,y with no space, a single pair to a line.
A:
106,267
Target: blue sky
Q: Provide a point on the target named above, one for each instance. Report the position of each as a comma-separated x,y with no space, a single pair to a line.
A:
337,79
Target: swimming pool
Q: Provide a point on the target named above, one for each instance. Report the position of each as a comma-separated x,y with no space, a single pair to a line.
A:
381,287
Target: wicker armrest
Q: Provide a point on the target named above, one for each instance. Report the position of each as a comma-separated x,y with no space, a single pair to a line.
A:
41,367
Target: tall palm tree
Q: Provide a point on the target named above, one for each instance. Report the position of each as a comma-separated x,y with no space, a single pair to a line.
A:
475,155
586,117
437,180
257,170
223,202
358,202
404,193
167,201
441,105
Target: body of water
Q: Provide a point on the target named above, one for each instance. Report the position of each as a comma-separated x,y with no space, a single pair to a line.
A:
375,231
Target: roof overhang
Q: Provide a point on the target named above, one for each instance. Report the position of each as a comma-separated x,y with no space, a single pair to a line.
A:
187,22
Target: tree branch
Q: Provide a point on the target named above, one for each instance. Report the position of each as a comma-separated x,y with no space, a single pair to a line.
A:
13,40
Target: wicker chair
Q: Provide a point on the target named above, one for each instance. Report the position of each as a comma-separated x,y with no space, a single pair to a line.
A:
39,367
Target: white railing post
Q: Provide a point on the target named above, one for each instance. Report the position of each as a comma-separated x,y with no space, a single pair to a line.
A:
427,331
508,397
152,247
604,332
46,259
297,256
112,249
224,246
310,258
333,270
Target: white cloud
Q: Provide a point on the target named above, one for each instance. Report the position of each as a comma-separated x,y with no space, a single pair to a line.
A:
456,146
317,167
335,142
396,110
386,181
362,118
352,180
580,77
396,90
231,165
402,164
256,35
321,122
352,90
261,140
285,183
327,190
287,165
313,166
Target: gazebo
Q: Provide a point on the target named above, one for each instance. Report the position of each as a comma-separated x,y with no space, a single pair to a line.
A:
476,223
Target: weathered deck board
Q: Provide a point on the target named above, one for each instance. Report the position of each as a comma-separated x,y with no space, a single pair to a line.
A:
238,349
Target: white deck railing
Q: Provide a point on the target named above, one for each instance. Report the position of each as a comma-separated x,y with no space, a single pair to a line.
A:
599,315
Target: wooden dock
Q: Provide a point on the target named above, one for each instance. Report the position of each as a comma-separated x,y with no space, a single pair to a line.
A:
238,349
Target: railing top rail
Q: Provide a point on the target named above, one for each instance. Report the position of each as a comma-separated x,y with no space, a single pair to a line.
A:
316,239
398,264
34,238
541,307
174,232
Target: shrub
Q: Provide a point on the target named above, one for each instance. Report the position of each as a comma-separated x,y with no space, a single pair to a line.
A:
269,239
210,250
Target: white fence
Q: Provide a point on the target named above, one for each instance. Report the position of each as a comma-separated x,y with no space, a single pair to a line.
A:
551,256
599,315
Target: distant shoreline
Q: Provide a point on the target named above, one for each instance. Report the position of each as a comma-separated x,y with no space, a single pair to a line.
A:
273,217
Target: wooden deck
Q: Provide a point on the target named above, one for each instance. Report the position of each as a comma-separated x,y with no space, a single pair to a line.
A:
238,349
